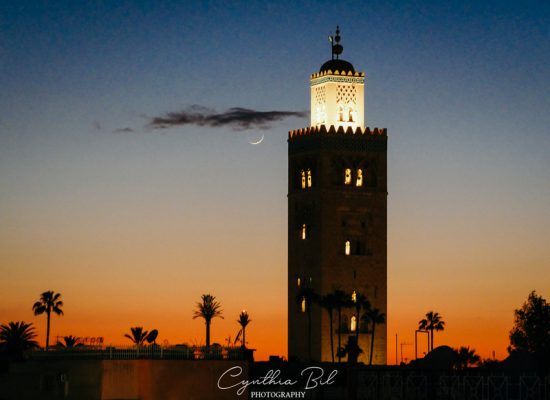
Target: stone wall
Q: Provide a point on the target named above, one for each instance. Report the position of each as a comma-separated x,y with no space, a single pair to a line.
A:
117,379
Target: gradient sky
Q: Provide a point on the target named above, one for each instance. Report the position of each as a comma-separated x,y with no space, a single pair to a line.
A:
132,227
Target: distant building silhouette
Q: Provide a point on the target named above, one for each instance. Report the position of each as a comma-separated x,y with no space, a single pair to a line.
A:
337,212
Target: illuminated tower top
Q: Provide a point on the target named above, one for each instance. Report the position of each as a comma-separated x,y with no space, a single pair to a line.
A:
337,92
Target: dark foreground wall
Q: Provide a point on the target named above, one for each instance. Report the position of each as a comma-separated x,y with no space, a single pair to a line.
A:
52,379
117,380
166,379
147,379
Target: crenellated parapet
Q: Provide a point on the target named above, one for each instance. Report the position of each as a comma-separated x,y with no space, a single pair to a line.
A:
336,72
332,131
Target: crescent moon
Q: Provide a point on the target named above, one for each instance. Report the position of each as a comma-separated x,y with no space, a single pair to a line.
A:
258,141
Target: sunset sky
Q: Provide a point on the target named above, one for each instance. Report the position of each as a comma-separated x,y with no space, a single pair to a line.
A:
132,224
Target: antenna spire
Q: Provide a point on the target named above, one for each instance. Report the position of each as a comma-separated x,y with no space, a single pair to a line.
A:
335,43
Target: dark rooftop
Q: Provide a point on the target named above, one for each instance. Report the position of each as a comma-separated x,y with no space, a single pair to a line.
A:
337,65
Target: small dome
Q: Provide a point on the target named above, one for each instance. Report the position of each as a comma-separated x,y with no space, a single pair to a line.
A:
337,65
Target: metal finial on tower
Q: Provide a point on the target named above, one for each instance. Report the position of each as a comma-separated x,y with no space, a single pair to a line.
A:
335,43
337,37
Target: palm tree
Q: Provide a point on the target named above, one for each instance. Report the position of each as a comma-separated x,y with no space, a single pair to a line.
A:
342,300
328,302
49,302
16,338
351,350
244,320
208,309
360,303
69,342
432,322
305,298
138,336
375,317
466,357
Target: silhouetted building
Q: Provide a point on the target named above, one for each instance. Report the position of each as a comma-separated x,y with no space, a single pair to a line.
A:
337,212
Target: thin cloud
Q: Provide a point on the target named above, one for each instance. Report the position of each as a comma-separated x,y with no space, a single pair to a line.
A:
123,130
237,118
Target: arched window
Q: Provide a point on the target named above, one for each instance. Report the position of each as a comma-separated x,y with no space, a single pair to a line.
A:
321,113
303,304
299,282
304,232
347,248
353,324
341,114
303,176
347,176
354,297
359,179
309,178
350,114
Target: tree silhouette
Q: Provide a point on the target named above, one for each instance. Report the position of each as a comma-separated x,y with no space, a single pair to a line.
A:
374,317
343,300
69,342
328,303
432,322
138,335
466,357
351,349
531,330
208,309
16,338
49,302
244,320
305,298
360,303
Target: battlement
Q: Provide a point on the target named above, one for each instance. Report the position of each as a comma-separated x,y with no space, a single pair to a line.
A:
322,130
343,73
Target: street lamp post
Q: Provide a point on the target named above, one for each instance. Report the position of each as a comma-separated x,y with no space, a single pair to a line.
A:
396,349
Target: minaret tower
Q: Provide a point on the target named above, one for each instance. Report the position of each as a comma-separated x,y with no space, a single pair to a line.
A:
337,216
337,96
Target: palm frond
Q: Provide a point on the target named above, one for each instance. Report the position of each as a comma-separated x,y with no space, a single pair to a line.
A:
208,309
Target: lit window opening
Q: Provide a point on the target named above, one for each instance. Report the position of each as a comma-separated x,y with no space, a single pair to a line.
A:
347,248
308,178
299,282
347,176
304,231
353,324
303,175
354,297
303,304
359,180
341,114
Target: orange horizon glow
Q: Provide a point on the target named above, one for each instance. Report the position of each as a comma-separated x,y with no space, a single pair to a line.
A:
267,332
124,265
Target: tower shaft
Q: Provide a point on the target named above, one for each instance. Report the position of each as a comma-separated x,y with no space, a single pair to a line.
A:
337,219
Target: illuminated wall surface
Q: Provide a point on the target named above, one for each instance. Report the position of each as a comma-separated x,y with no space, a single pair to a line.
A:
337,99
132,223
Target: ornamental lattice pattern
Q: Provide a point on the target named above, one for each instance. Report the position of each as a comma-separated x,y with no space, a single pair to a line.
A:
320,95
346,94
